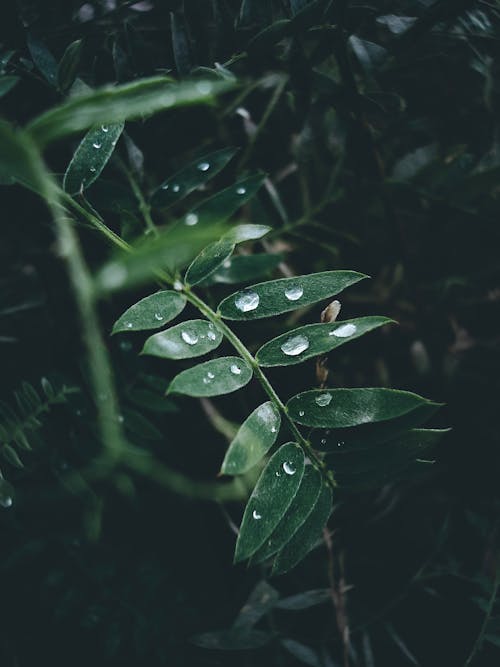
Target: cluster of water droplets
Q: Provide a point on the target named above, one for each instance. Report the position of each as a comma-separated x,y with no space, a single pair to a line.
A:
189,337
295,345
208,378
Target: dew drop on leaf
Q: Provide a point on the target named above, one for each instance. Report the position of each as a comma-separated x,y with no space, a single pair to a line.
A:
323,399
240,191
301,413
176,188
104,128
289,468
204,166
92,169
256,515
190,338
96,144
210,375
158,317
235,370
165,186
211,335
246,301
294,292
295,345
191,219
343,331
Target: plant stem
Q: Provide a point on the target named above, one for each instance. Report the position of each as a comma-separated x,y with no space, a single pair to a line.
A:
487,616
144,207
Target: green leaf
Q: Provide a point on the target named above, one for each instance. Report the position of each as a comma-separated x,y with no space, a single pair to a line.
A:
68,66
184,341
11,456
272,496
43,59
307,536
181,44
6,492
212,378
221,206
346,408
305,600
217,253
261,601
191,177
298,512
152,312
21,161
115,104
242,268
315,339
91,157
208,261
254,439
233,639
7,83
281,296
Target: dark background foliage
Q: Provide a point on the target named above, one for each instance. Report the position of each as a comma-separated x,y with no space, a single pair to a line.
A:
382,142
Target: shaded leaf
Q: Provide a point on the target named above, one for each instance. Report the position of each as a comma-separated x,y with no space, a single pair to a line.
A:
7,83
191,177
306,536
43,59
315,339
242,268
246,232
184,341
298,512
114,104
304,600
91,157
6,492
212,378
152,312
286,294
234,639
180,43
68,66
254,439
271,497
263,598
302,653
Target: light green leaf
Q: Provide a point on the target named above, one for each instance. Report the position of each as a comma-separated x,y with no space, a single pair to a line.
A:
315,339
191,177
209,259
91,157
115,104
307,536
152,312
346,408
7,83
221,206
242,233
212,378
68,66
254,439
298,512
243,268
281,296
272,496
184,341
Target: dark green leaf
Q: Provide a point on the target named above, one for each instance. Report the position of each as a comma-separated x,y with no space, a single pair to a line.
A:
281,296
7,83
208,261
20,160
242,268
191,177
115,104
138,426
272,496
212,378
184,341
302,653
6,492
67,69
307,535
180,43
254,439
263,598
91,157
304,600
315,339
298,513
43,59
234,639
11,456
152,312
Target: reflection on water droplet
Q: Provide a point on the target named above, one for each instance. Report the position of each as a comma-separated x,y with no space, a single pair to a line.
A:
277,473
165,186
295,345
241,191
289,468
96,144
204,87
178,286
235,370
176,188
294,292
323,399
158,317
339,444
92,169
227,264
246,301
210,375
211,335
301,413
113,275
6,501
204,166
189,337
191,219
121,419
343,331
323,441
104,128
256,515
273,429
129,325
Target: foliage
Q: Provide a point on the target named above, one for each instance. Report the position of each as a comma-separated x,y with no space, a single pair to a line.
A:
228,164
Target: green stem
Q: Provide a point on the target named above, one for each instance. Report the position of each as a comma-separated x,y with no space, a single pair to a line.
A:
487,616
144,207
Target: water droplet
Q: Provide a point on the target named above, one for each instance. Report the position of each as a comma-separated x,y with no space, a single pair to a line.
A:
120,419
241,191
273,429
204,87
301,413
113,275
93,169
339,444
211,335
206,381
294,292
246,301
323,399
176,188
178,286
277,473
104,128
344,330
235,370
96,144
210,375
129,325
190,338
204,166
289,468
6,501
158,317
165,186
227,264
295,345
256,515
191,219
323,441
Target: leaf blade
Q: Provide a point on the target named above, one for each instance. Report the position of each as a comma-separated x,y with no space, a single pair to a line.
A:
152,312
212,378
193,338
